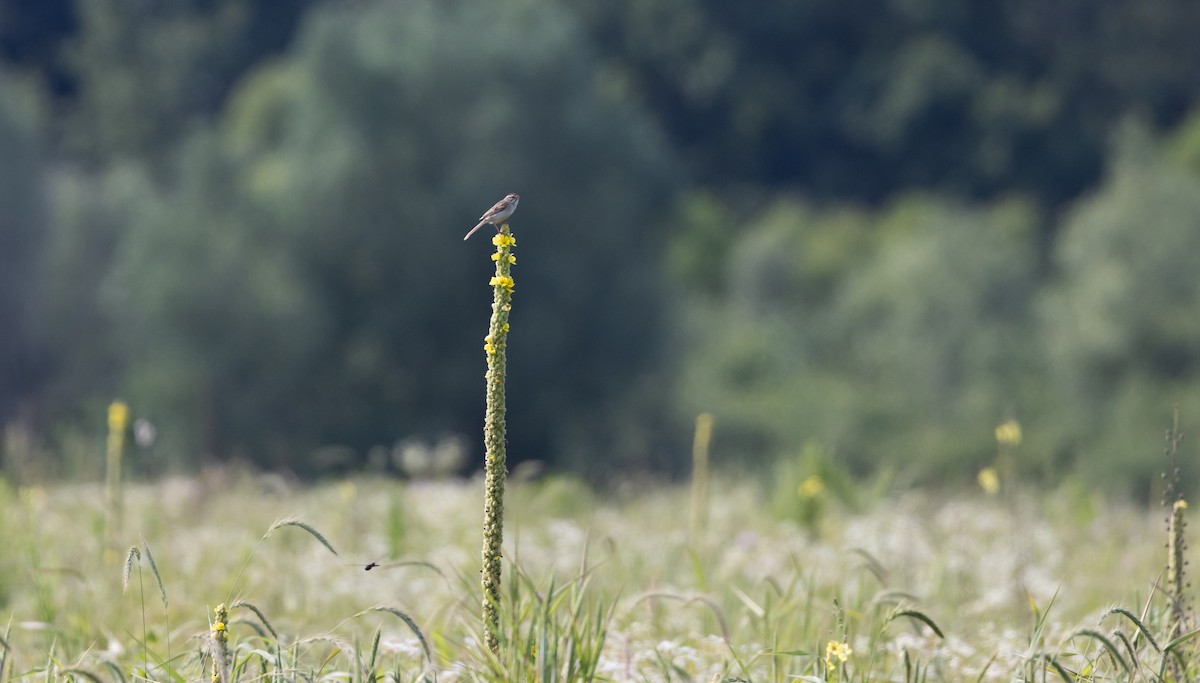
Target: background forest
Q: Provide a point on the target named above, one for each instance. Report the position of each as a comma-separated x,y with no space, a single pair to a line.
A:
869,230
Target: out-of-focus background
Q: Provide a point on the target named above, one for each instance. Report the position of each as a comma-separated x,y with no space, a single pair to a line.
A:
871,230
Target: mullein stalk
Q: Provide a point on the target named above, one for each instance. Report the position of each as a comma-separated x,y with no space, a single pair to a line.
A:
220,644
496,346
1176,548
700,444
118,421
1176,583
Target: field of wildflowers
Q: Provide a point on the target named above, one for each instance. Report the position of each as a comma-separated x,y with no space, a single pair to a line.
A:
370,579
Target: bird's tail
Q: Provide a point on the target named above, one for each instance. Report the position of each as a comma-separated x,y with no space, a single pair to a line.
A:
481,224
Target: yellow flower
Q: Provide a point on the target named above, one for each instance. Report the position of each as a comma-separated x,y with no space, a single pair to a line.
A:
839,651
989,480
504,281
1180,504
502,240
511,258
488,346
1008,433
812,487
505,328
218,627
118,417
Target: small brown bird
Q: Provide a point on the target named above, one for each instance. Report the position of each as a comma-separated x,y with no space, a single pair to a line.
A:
499,213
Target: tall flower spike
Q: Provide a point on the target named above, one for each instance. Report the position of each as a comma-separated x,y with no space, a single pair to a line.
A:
220,644
118,422
494,431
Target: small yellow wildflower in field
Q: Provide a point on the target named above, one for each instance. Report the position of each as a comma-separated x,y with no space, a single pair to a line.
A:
1008,433
989,481
839,651
118,417
812,487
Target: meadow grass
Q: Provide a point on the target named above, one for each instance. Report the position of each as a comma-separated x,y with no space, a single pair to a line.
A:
372,579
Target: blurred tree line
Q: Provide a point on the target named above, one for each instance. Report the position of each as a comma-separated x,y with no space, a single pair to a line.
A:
881,225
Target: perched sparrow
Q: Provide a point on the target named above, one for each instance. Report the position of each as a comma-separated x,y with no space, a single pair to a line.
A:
499,213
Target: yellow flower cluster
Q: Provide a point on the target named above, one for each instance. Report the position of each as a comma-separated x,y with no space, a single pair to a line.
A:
503,240
489,345
511,257
118,417
812,487
1009,433
989,480
839,651
504,281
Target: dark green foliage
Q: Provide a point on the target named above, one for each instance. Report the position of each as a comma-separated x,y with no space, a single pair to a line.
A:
865,98
22,228
902,344
302,279
145,72
1121,321
878,226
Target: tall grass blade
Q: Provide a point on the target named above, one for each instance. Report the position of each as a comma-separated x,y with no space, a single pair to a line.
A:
1133,657
291,521
127,570
4,651
1059,669
1136,622
1170,647
872,565
1107,644
412,626
687,600
374,657
162,590
919,616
